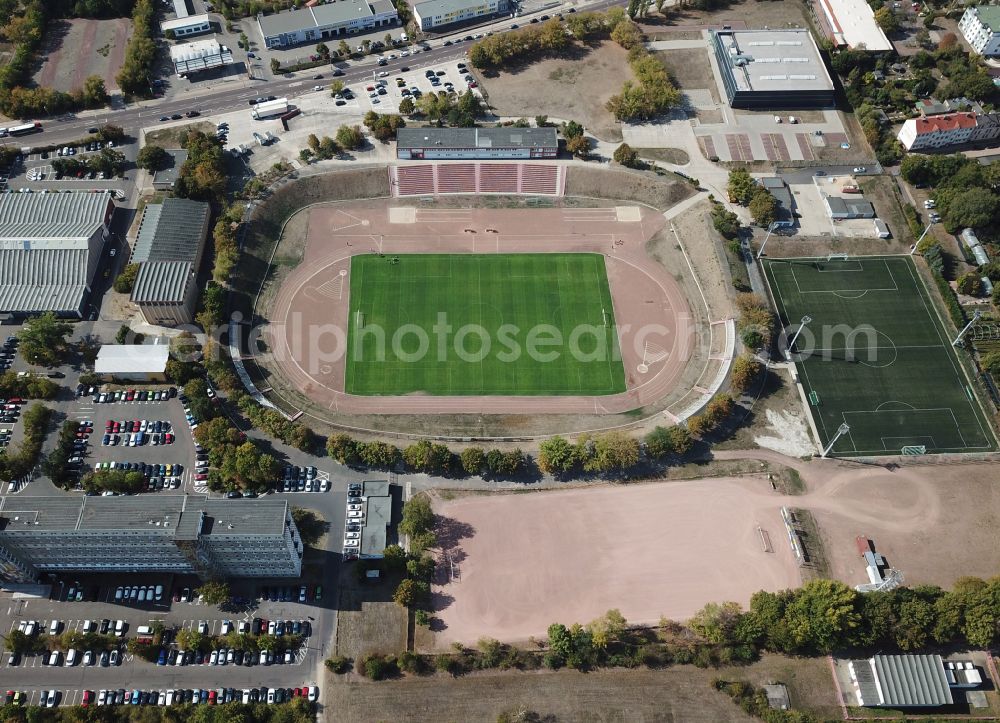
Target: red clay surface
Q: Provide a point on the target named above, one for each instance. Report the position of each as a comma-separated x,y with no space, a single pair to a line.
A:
71,54
309,314
527,561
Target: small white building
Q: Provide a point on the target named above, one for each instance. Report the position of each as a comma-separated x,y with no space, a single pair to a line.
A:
133,362
980,26
185,27
437,13
199,55
852,24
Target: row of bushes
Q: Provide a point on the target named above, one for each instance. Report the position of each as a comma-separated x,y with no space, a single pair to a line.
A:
193,640
140,53
19,463
275,424
654,93
934,256
55,465
819,618
31,386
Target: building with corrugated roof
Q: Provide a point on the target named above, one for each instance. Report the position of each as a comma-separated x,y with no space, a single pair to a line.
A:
416,144
169,246
147,533
51,248
901,681
199,55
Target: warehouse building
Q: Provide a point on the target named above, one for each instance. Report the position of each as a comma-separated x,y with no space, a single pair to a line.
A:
133,362
435,14
911,681
320,22
187,26
770,69
847,208
200,55
147,533
169,247
51,249
415,144
980,26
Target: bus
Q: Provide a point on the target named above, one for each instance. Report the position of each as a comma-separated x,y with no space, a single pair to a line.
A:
23,130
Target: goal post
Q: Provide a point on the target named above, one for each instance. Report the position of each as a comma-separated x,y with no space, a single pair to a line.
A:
359,321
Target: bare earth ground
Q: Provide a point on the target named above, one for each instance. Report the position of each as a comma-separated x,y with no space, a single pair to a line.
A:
368,621
668,548
679,694
653,550
171,137
71,52
570,88
740,15
690,69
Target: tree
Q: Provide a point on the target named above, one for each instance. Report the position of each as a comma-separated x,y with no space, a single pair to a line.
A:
664,441
305,155
343,49
822,616
43,339
887,19
740,188
626,156
947,42
343,449
350,138
380,455
717,622
607,629
725,222
613,452
275,65
557,456
322,50
336,87
406,106
579,146
744,371
311,526
94,92
423,456
572,129
411,593
970,284
473,459
215,593
763,207
418,516
972,208
152,158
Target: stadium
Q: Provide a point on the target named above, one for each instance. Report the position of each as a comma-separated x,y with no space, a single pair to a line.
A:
490,307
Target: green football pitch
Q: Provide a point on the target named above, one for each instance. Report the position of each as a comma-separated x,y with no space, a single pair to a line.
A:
876,356
482,324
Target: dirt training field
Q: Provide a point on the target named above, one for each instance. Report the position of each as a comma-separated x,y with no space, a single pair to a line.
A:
76,49
526,561
574,88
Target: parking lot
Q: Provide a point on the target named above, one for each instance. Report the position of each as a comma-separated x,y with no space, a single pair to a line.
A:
126,414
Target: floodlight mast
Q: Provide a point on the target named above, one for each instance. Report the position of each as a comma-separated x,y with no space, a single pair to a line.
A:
791,344
770,229
963,332
841,431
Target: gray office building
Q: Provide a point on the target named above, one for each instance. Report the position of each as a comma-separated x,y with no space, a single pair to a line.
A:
212,538
772,69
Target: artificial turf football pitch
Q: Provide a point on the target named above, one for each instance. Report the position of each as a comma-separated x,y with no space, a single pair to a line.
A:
482,324
876,356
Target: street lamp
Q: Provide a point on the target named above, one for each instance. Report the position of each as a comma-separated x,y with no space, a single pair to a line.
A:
770,230
917,244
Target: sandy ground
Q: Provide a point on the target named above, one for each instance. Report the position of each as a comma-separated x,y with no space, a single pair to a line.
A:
565,89
525,561
71,52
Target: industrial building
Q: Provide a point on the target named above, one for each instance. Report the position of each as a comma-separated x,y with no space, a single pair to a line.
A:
414,144
434,14
910,681
165,178
377,497
320,22
169,247
187,26
980,26
147,533
51,250
847,208
133,362
200,55
770,69
852,24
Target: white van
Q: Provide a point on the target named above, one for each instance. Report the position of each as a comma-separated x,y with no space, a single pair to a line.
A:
70,657
54,657
54,627
144,630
